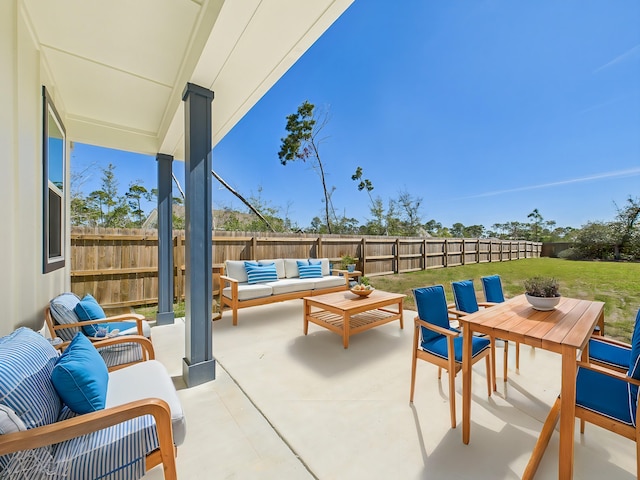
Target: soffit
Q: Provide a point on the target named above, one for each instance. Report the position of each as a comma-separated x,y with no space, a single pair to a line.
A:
118,68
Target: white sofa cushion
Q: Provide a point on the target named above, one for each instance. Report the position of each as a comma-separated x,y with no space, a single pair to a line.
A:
235,269
291,266
247,292
325,265
290,285
328,282
279,263
147,380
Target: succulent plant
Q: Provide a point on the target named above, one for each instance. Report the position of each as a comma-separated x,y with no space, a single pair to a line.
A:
542,287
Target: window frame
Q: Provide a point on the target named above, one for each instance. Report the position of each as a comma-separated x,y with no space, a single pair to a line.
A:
54,218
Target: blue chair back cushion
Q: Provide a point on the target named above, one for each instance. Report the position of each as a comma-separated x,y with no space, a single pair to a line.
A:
431,303
634,363
26,362
465,296
80,376
605,395
613,355
492,286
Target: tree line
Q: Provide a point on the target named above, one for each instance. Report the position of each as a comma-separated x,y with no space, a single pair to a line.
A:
398,216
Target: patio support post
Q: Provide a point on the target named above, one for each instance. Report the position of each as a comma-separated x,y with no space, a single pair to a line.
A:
165,315
198,365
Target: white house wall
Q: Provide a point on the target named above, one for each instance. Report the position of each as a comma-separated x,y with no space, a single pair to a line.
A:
24,289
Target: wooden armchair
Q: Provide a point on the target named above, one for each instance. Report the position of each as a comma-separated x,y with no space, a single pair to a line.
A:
139,427
62,321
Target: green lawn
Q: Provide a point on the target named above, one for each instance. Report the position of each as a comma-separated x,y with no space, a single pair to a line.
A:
615,283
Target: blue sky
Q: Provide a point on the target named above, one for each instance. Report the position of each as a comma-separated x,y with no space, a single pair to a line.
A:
484,109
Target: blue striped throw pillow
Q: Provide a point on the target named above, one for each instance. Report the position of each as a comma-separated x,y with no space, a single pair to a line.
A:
260,273
309,271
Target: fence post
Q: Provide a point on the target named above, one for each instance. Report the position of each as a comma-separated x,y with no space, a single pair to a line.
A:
397,269
445,259
363,248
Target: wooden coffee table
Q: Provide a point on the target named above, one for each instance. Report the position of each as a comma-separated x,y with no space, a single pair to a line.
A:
346,313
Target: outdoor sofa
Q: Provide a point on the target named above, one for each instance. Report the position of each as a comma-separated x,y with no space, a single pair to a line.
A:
251,283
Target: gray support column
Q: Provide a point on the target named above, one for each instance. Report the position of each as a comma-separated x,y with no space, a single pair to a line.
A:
165,314
198,365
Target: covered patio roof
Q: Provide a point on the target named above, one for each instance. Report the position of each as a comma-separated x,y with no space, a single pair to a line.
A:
119,68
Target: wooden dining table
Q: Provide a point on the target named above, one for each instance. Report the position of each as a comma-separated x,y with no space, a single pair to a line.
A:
564,330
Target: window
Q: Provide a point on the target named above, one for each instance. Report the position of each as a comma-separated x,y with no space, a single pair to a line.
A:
53,199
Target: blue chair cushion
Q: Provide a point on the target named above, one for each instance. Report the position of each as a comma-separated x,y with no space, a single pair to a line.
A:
309,270
465,296
613,355
439,347
80,376
89,309
259,273
605,395
26,362
492,286
634,361
432,308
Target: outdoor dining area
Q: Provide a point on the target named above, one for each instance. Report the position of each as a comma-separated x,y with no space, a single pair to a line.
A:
290,405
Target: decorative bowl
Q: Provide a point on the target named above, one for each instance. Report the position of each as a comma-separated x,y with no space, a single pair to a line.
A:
542,303
362,293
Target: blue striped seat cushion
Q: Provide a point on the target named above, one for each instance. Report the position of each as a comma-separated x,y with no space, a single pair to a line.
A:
115,453
259,273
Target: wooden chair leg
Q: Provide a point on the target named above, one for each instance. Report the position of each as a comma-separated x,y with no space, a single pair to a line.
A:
493,363
543,441
413,377
489,379
452,396
416,334
506,360
582,423
439,373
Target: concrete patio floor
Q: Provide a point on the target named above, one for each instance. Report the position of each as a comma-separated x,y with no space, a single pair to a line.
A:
289,406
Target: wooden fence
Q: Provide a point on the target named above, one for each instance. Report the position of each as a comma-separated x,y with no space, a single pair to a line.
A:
120,266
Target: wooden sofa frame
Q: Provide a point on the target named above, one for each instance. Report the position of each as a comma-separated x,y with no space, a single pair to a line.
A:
234,304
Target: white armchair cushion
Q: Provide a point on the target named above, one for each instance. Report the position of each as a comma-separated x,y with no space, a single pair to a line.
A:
145,380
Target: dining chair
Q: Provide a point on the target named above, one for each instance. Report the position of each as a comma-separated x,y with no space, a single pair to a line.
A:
610,353
436,342
493,292
465,302
609,398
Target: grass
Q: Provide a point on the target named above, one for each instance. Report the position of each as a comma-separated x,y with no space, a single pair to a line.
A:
617,284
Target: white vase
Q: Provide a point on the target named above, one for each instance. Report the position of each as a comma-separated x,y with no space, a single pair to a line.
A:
542,303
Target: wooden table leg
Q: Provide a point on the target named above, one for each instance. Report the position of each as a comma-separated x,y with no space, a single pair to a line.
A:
346,326
400,312
567,412
466,382
307,312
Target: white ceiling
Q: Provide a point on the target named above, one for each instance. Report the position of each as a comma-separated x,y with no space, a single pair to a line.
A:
119,67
